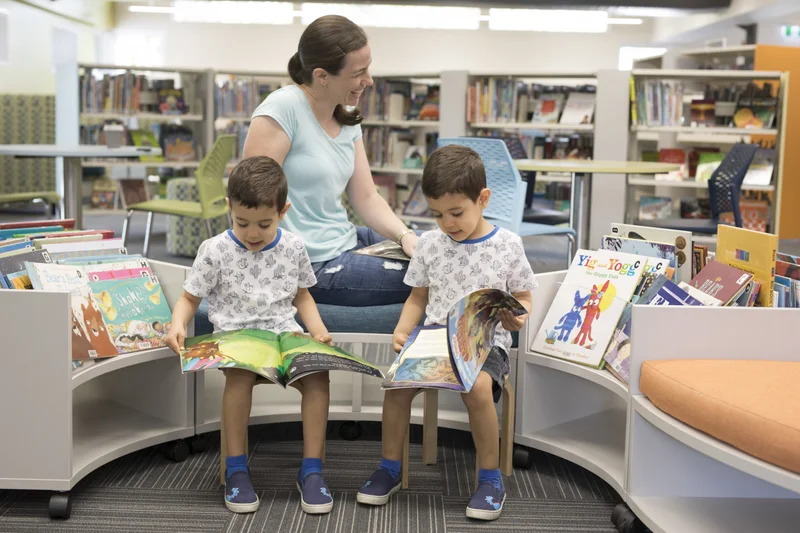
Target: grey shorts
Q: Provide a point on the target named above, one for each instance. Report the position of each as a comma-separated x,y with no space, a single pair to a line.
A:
496,365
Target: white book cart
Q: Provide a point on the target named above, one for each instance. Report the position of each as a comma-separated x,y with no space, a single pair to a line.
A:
672,478
59,426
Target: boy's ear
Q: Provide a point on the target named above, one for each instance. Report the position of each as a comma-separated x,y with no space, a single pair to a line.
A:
483,198
228,203
284,210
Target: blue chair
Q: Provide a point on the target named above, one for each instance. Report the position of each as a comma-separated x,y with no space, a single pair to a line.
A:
724,191
507,203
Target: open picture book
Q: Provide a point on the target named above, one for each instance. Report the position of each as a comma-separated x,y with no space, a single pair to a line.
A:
451,357
280,358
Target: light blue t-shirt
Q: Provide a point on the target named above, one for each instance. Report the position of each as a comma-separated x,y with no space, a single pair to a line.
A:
318,168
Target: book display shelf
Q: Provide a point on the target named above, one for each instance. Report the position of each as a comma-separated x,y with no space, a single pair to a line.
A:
667,123
673,477
71,423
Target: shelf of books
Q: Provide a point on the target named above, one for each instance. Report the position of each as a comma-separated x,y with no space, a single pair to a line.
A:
578,393
106,313
694,117
143,106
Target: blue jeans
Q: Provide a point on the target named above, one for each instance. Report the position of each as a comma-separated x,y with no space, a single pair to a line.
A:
360,280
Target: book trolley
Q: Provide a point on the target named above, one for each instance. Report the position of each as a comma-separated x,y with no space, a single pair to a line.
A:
674,478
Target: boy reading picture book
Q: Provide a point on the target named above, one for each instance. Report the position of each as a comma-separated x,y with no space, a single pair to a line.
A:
450,357
279,357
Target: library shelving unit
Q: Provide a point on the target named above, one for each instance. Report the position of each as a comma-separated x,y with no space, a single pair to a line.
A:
683,135
673,477
61,425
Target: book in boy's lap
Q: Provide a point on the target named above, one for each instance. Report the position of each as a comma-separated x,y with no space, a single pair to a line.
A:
281,358
588,305
451,357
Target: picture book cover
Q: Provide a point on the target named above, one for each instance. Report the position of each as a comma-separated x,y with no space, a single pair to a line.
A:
595,291
579,108
681,239
652,270
135,311
788,270
13,270
657,250
450,357
386,250
56,278
721,281
90,336
281,358
752,252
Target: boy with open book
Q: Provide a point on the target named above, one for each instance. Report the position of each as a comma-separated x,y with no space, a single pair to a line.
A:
255,276
466,253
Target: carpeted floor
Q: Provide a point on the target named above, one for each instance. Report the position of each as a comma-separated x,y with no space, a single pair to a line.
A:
144,492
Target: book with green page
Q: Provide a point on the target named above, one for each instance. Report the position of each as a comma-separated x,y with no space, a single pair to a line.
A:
280,358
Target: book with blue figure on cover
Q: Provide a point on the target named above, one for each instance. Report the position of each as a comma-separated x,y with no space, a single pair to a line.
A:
450,357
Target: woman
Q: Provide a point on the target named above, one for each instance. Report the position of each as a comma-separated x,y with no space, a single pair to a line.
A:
308,129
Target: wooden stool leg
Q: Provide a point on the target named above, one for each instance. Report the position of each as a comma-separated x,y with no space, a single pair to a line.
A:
406,454
430,427
507,431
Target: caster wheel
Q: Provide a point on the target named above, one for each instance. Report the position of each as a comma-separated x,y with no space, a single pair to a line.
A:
177,451
625,521
523,458
60,506
351,430
198,443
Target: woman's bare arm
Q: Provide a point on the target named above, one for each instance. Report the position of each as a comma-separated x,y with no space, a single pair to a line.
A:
266,137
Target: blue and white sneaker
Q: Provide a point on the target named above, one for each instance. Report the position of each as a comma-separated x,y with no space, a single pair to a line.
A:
486,503
315,498
239,494
379,488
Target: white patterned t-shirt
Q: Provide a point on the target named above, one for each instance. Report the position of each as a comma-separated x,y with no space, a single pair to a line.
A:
251,290
452,269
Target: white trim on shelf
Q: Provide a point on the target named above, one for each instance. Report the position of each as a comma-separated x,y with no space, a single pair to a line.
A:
741,75
688,184
553,177
531,126
721,130
715,449
397,170
141,164
535,75
400,123
106,115
106,66
745,49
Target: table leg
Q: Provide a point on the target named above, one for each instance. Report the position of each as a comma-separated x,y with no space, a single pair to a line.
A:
575,208
71,203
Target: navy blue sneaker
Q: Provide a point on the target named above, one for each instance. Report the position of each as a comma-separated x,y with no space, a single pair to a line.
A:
486,503
315,498
239,494
379,488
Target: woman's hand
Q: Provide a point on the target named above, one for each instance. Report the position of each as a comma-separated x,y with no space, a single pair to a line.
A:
409,243
511,322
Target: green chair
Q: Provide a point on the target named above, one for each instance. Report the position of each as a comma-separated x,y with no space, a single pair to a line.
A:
210,188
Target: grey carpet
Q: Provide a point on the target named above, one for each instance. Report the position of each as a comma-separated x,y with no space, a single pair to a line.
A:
144,492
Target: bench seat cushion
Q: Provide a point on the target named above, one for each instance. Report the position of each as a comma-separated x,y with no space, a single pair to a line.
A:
751,405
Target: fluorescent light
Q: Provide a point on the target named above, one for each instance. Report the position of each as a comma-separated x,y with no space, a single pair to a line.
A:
393,16
151,9
625,22
234,12
548,20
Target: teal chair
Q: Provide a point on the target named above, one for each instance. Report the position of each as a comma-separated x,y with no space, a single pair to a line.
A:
210,187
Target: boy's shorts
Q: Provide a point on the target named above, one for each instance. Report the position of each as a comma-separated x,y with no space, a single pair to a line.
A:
496,365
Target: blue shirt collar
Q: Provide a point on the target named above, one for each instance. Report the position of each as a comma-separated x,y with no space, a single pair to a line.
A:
271,245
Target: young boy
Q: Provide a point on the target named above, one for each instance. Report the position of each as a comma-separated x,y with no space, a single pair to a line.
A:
256,276
466,253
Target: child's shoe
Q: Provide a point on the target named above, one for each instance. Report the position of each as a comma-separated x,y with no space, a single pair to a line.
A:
487,502
379,488
315,498
240,497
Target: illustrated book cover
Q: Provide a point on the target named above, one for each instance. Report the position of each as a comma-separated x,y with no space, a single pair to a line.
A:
752,252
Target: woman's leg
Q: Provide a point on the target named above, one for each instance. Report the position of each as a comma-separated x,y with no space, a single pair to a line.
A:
359,280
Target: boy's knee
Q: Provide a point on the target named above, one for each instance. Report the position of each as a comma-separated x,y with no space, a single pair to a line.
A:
481,391
313,382
236,377
399,396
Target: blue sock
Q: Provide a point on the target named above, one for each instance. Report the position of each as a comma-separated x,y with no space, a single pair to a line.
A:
393,467
490,476
310,466
237,463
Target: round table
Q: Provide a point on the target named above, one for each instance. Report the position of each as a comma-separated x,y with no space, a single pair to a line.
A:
579,169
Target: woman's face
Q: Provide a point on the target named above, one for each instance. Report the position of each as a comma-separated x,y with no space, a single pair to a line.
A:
346,87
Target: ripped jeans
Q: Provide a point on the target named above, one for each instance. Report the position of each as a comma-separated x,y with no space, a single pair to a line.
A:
360,280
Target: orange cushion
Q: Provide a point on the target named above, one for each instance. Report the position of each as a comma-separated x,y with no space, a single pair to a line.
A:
752,405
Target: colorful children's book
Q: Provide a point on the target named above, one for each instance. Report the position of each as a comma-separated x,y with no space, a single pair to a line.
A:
13,271
657,250
18,245
595,291
681,239
721,281
450,357
90,336
789,258
56,278
16,232
788,270
67,223
385,250
135,311
753,252
281,358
